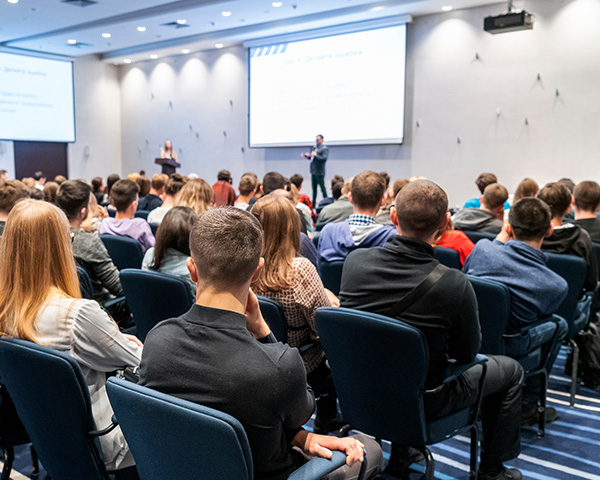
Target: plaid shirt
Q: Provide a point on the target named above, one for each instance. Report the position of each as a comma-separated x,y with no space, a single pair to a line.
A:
357,220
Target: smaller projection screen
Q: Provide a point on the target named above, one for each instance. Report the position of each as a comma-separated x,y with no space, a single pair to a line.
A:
348,87
36,99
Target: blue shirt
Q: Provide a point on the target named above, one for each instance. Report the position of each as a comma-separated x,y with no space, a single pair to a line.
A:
476,203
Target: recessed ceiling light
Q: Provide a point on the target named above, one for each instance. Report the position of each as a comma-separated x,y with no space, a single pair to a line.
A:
141,29
126,60
185,50
447,8
71,41
277,4
181,21
154,56
106,35
218,45
376,9
226,14
13,1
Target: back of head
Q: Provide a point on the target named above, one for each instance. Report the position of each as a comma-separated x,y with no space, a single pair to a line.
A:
297,180
494,196
386,178
587,196
421,207
215,235
557,197
28,181
224,175
124,193
29,269
196,194
281,225
50,189
567,182
174,232
484,180
174,185
530,219
36,193
111,180
37,176
60,179
96,184
72,197
336,190
158,181
133,176
399,185
248,184
272,181
11,191
527,188
368,188
144,184
337,179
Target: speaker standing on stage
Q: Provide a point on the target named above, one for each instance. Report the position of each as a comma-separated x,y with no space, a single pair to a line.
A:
317,158
168,151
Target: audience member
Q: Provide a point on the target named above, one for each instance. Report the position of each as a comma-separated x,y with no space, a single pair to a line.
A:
11,191
96,213
568,238
329,200
157,189
172,190
35,193
488,217
223,192
247,188
263,382
40,180
383,215
337,240
527,188
3,175
98,189
28,182
375,278
40,302
338,211
73,198
144,184
195,194
124,195
110,181
298,180
60,179
483,181
272,181
570,216
50,189
302,208
587,203
172,248
455,240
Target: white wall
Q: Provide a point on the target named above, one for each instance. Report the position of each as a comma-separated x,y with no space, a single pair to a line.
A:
7,158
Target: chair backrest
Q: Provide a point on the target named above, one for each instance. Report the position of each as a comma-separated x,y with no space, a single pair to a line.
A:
331,274
597,252
379,366
53,402
85,283
476,236
448,257
493,299
142,214
154,228
274,315
124,251
173,438
153,297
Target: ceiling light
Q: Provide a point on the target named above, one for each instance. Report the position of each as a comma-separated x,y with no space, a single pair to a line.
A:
181,21
185,50
141,29
154,56
71,41
13,1
447,8
218,45
277,4
376,9
226,14
106,35
126,60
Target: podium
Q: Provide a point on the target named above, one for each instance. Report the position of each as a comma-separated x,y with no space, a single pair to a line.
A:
168,165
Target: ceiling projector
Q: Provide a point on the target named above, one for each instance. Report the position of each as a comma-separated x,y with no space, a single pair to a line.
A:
508,22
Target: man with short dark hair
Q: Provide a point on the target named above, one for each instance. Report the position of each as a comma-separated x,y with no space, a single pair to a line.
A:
11,191
298,180
157,189
73,197
339,210
222,354
567,238
483,180
587,203
124,194
318,157
174,185
272,181
329,200
247,189
223,192
337,240
374,279
488,217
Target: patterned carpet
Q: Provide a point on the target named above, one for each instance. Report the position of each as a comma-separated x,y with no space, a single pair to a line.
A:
570,449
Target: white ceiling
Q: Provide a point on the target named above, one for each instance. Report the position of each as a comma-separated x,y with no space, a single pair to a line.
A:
47,25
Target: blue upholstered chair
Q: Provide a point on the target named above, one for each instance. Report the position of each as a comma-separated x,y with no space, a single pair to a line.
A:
203,443
142,214
331,275
448,257
153,297
154,228
85,283
274,315
476,236
124,251
379,366
53,402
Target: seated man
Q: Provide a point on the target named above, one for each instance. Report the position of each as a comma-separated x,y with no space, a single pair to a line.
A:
568,238
11,191
329,200
73,197
339,210
223,192
587,203
298,180
157,190
124,194
488,217
222,354
247,187
337,240
483,181
374,279
172,189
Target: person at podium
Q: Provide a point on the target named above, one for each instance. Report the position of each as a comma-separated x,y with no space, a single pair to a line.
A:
167,151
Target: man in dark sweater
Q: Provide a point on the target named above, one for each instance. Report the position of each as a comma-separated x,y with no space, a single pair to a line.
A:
587,203
222,354
157,189
488,217
375,279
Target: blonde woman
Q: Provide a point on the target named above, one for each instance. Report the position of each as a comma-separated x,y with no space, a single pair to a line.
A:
294,282
196,194
40,302
168,151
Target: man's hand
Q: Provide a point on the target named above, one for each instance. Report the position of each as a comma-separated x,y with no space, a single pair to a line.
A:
506,233
255,323
322,445
313,154
305,155
102,212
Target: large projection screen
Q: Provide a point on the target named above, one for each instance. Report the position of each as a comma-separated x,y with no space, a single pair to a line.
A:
348,87
36,99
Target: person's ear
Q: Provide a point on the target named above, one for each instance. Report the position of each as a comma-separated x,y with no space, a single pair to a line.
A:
83,213
259,267
481,199
509,231
445,222
550,230
382,200
394,216
192,268
569,209
350,198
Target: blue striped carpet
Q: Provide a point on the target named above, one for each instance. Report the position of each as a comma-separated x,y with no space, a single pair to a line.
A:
570,449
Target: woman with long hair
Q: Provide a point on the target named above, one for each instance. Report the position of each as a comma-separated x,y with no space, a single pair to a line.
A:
40,301
196,194
172,248
168,151
293,281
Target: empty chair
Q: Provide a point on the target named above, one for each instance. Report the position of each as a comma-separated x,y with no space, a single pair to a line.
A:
142,214
448,257
274,315
331,274
124,251
203,443
153,297
476,236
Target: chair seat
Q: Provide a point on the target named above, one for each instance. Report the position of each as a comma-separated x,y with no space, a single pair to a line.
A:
445,427
531,361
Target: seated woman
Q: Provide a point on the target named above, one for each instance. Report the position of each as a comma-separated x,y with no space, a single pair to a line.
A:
196,194
455,240
172,247
40,302
293,281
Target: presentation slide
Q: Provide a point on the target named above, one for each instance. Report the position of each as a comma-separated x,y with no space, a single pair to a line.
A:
348,87
36,99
